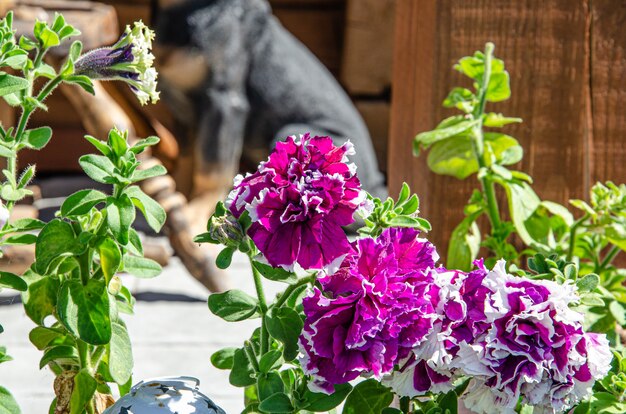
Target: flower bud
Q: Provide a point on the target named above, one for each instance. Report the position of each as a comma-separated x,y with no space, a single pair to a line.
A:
129,60
115,285
226,230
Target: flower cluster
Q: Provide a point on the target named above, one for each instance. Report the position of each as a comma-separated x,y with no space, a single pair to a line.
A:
380,305
298,200
516,337
389,306
129,60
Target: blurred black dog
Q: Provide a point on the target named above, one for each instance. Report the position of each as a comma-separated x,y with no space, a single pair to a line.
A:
250,79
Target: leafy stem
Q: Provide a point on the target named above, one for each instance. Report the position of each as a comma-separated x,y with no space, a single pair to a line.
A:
478,143
287,293
608,259
572,236
258,285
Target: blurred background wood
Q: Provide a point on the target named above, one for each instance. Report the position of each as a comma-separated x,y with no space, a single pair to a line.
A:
566,60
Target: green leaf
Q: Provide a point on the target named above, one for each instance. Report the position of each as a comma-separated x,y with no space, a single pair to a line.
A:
8,405
41,297
120,354
37,138
134,243
454,156
224,358
100,145
269,384
141,267
82,81
503,148
462,99
426,139
117,143
464,243
320,402
618,312
154,171
242,373
499,88
120,216
81,202
55,241
269,361
12,281
588,283
6,152
277,274
522,204
368,397
151,210
84,310
285,325
110,258
10,84
84,389
61,354
27,224
406,221
15,59
494,120
97,167
47,38
75,50
142,144
225,257
20,239
449,403
43,337
277,403
233,305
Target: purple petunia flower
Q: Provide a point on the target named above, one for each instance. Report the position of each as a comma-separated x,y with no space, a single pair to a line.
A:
129,60
534,348
298,201
373,311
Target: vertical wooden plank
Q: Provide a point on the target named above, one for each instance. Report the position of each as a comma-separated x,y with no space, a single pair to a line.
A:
543,43
608,90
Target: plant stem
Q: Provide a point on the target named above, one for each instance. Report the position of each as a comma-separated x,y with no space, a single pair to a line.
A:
572,236
247,347
258,284
609,258
478,143
285,295
83,355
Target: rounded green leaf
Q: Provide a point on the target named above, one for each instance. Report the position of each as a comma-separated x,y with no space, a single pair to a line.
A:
37,138
120,354
368,397
55,241
141,267
12,281
97,167
321,402
84,389
151,210
224,358
242,373
81,202
120,216
85,310
276,404
269,384
285,325
41,297
8,405
233,305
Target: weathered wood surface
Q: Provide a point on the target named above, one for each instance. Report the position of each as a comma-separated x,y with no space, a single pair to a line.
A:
368,46
569,107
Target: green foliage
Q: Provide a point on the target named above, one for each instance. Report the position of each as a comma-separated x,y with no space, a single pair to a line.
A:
390,213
